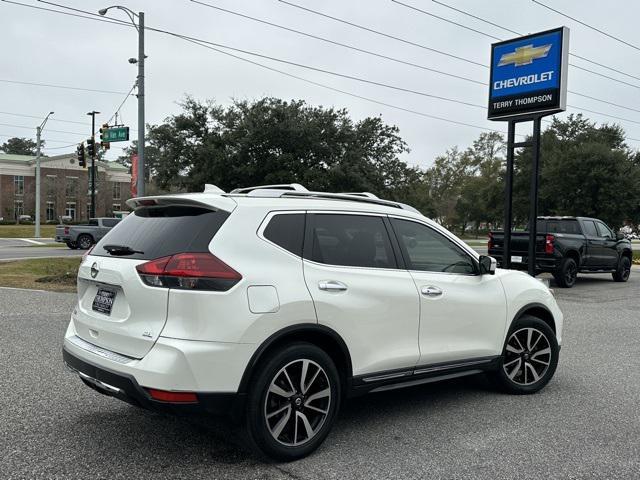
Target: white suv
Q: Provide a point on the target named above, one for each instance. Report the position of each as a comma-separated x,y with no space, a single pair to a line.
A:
275,304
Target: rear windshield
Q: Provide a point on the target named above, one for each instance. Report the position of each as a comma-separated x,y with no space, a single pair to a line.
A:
164,230
559,226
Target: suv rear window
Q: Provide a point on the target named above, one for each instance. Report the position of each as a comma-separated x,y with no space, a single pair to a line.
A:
287,231
164,230
351,240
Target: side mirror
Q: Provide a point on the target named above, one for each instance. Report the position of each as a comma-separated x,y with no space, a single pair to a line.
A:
620,236
487,265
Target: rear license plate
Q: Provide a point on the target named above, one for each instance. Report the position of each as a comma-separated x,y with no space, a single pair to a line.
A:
516,259
103,301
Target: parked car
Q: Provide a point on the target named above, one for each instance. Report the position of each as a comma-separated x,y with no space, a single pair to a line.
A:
275,304
566,246
24,218
83,236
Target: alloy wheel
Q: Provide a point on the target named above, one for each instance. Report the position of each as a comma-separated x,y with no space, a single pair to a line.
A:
527,356
570,274
297,402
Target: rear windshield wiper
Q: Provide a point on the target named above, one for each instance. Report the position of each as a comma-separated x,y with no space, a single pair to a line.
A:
121,250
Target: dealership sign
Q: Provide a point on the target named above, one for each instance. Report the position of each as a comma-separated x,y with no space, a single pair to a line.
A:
529,75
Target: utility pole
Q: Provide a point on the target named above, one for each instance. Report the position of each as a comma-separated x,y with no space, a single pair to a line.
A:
140,83
93,162
38,155
141,104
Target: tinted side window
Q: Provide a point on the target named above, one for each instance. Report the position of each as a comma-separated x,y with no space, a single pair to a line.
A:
428,251
160,231
589,228
603,230
287,231
110,222
93,222
351,240
563,226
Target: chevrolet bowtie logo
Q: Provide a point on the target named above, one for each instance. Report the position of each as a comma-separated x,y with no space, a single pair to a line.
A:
524,55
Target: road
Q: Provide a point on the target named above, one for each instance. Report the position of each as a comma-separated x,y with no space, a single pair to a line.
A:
584,425
12,253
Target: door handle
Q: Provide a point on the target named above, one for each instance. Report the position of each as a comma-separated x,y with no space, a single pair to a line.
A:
332,286
431,291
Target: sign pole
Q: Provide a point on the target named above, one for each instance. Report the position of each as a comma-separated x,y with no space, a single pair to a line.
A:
533,197
508,182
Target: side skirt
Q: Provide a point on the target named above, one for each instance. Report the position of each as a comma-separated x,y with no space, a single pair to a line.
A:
392,379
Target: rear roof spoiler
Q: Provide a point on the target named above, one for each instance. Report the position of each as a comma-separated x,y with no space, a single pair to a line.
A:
213,203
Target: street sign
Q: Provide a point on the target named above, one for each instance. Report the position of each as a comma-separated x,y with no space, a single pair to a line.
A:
116,134
529,75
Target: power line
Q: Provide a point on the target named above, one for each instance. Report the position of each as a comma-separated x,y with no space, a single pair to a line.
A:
488,35
66,87
48,139
464,12
334,42
617,39
31,128
368,52
403,40
135,84
40,118
207,44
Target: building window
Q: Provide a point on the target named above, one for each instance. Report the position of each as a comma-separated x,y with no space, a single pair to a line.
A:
18,184
70,210
51,211
50,185
72,187
115,207
116,191
88,210
18,208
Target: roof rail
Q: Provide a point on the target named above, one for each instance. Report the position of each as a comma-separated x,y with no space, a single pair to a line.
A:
361,194
296,187
349,196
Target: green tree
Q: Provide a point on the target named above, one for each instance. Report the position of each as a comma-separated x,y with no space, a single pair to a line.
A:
272,141
20,146
586,170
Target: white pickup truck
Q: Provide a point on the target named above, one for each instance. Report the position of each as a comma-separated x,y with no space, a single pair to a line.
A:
83,236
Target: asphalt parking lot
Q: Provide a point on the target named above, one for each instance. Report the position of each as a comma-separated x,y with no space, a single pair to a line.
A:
584,425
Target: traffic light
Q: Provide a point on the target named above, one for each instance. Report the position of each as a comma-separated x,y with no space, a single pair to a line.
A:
105,145
91,147
80,153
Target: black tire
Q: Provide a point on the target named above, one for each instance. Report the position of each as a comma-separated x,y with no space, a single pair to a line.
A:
72,245
262,433
567,273
85,241
517,371
623,271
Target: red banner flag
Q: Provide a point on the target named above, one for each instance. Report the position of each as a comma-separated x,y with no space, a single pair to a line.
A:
134,175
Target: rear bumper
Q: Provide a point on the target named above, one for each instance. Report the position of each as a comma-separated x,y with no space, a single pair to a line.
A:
543,264
125,387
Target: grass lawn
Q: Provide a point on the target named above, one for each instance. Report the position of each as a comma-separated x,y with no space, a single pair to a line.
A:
26,231
636,258
55,274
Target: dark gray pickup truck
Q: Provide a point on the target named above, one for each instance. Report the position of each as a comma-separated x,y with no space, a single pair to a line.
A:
83,236
566,246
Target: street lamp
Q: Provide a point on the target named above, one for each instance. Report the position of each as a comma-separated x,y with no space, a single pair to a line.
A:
140,28
38,132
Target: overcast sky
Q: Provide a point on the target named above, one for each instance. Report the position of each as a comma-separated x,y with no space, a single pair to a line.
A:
45,47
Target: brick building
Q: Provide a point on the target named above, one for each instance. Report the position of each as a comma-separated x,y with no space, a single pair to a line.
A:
64,188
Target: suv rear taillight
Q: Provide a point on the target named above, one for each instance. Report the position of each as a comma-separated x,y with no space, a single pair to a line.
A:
66,230
548,244
189,271
490,243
